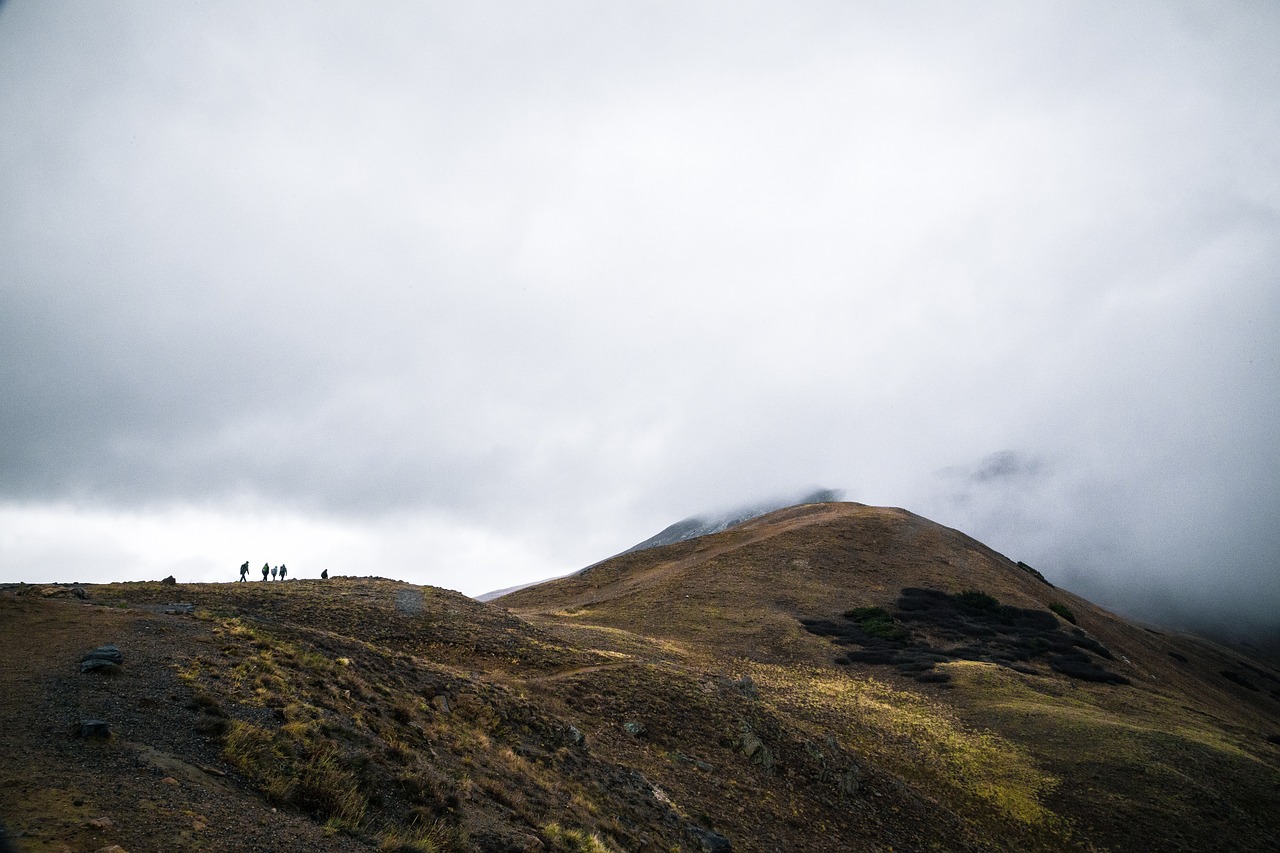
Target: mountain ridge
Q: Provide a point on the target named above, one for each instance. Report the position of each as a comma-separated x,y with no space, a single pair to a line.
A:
824,677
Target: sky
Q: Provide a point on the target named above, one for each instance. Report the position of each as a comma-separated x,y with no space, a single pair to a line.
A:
477,294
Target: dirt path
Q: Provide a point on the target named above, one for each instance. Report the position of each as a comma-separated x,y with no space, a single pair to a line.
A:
581,670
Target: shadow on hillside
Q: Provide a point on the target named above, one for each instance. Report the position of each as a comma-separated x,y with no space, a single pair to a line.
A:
928,627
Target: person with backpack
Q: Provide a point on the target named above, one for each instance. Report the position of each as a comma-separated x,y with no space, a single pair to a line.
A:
282,571
266,570
244,570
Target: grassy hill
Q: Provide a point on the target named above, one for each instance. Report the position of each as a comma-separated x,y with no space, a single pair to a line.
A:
828,677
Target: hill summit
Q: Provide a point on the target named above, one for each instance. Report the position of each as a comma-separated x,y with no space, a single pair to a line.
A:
826,677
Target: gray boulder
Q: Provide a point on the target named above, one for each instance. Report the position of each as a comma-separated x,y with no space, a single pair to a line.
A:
104,658
708,841
99,729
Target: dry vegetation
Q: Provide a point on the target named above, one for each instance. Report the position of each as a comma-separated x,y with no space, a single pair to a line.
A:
665,700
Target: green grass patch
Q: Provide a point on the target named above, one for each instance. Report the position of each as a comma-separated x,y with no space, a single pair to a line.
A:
1064,611
876,622
975,599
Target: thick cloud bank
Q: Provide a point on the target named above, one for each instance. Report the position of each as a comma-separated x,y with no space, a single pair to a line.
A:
472,294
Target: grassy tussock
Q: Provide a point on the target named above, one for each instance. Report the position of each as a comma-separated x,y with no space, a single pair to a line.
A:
563,840
297,766
434,837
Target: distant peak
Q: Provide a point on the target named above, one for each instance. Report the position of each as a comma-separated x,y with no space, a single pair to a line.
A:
705,525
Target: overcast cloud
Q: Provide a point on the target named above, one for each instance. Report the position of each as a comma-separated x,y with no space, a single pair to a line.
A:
474,294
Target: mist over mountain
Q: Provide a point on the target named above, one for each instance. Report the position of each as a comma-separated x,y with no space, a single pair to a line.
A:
704,525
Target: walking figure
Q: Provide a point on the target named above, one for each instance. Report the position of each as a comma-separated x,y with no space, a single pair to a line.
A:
274,570
324,575
244,570
282,571
265,571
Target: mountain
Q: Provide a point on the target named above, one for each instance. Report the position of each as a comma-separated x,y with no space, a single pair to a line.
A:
695,526
828,677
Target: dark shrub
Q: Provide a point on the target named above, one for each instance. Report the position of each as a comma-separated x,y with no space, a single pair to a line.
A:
916,599
860,614
1033,572
1064,611
842,632
1237,678
877,622
1084,669
971,625
933,677
976,600
1261,672
1084,641
909,666
873,656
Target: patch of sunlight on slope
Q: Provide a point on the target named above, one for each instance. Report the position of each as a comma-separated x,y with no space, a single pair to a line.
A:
1082,718
914,736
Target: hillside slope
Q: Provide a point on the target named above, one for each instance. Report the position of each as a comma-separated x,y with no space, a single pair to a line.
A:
824,678
1130,737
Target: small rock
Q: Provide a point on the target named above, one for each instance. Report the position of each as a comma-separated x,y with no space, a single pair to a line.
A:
98,665
575,736
634,729
689,759
101,823
708,841
440,703
747,687
79,592
754,748
169,780
94,729
169,579
109,653
114,848
850,781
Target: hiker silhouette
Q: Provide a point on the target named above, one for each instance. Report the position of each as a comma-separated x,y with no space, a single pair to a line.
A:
266,570
324,575
244,570
274,571
283,570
